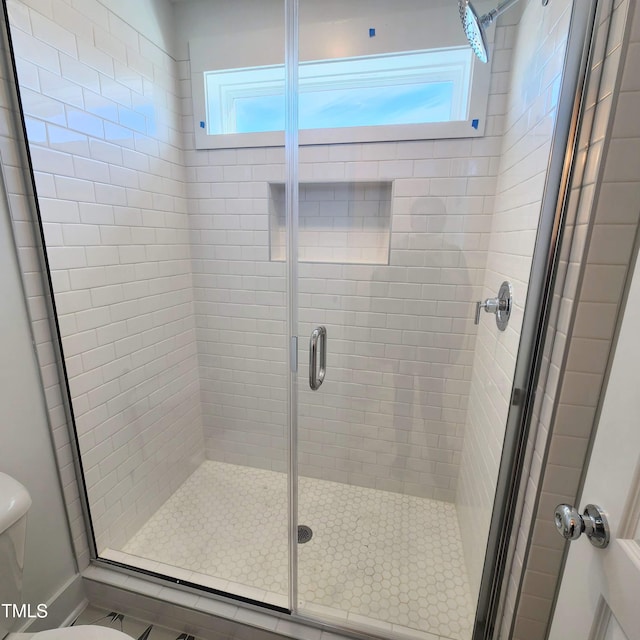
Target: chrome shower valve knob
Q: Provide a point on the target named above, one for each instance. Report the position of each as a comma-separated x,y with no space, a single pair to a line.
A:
490,305
500,306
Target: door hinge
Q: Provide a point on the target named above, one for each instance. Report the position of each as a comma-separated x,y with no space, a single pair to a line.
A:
294,354
516,397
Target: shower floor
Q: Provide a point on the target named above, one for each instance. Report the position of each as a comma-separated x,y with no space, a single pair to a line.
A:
376,558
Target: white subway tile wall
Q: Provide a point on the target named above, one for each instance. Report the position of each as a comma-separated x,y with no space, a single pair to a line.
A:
530,114
104,130
401,336
239,302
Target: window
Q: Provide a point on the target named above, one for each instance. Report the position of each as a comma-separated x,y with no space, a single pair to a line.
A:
403,88
410,95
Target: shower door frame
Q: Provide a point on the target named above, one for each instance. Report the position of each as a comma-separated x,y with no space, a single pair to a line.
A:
529,361
535,326
292,146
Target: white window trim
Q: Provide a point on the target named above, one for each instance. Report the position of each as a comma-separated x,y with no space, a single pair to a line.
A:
476,106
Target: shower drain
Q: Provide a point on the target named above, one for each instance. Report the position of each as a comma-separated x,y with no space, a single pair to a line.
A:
304,533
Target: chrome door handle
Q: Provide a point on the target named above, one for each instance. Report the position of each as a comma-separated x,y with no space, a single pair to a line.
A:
571,525
318,342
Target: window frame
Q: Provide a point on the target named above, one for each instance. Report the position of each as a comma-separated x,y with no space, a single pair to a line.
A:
473,126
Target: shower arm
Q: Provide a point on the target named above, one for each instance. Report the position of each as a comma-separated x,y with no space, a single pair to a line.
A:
488,18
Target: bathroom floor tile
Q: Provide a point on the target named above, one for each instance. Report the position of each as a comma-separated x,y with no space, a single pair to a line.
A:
374,555
133,627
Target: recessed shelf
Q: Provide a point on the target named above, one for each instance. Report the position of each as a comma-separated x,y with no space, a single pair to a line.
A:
340,222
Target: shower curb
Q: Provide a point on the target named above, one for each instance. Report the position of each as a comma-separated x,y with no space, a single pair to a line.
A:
209,617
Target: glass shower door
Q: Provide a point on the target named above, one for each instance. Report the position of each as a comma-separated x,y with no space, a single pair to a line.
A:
383,283
416,201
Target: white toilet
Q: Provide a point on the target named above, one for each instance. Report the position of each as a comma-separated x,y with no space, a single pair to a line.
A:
14,505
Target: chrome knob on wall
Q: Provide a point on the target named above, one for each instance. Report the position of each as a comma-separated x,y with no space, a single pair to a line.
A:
500,306
571,525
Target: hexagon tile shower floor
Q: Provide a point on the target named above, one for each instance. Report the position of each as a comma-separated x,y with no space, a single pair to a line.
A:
375,556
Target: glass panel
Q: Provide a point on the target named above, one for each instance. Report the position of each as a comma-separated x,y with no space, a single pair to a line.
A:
406,104
171,312
402,440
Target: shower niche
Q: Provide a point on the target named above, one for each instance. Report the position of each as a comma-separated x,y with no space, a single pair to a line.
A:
339,222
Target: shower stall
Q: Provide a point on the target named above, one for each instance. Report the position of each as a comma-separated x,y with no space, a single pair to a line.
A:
299,253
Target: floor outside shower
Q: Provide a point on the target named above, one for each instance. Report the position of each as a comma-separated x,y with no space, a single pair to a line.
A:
384,559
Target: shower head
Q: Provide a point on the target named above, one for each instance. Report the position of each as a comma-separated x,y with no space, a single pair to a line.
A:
474,26
473,29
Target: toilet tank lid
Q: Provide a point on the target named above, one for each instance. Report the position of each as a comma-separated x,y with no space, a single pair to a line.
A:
14,501
82,632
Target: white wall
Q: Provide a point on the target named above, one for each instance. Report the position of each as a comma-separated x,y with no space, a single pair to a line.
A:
252,32
539,43
103,120
26,449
